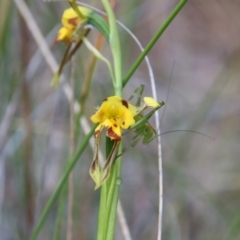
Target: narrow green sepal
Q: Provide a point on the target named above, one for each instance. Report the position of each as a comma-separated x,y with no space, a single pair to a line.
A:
99,175
55,80
141,120
143,129
100,24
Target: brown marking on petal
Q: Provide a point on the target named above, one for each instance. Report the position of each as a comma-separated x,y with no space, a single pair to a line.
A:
93,167
96,133
114,119
111,134
115,125
125,103
105,177
123,123
104,100
73,21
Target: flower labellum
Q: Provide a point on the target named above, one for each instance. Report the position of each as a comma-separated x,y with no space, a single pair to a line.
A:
114,113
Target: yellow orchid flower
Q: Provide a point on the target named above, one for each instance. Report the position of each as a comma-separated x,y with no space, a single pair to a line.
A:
70,20
114,113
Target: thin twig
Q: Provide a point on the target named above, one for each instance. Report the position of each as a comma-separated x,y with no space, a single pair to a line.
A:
4,11
87,80
72,149
26,108
123,223
4,128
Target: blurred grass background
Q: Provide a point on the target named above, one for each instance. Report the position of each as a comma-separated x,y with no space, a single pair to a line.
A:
201,49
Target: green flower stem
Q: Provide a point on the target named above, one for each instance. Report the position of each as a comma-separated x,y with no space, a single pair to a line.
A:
62,183
113,211
102,223
98,55
110,189
109,199
104,200
154,40
115,47
60,214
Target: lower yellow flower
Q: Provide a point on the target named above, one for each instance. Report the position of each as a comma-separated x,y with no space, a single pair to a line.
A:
114,113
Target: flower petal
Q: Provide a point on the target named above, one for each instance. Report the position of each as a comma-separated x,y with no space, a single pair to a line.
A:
95,171
113,129
98,116
70,18
64,34
150,102
127,119
98,129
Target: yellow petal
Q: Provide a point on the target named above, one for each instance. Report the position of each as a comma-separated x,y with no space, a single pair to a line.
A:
64,34
98,130
108,109
132,109
127,119
70,18
99,116
150,102
113,129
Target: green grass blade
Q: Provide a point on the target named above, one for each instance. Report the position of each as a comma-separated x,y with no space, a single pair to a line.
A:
152,42
99,23
61,184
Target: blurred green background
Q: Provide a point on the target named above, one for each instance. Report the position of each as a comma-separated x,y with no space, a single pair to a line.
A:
196,64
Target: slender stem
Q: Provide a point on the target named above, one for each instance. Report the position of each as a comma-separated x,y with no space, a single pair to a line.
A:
62,183
60,213
68,189
88,78
98,55
104,200
154,40
110,189
111,202
114,41
102,223
76,46
26,106
72,149
115,196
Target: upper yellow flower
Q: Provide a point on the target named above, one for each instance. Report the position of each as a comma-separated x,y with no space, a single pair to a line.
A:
70,20
114,113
